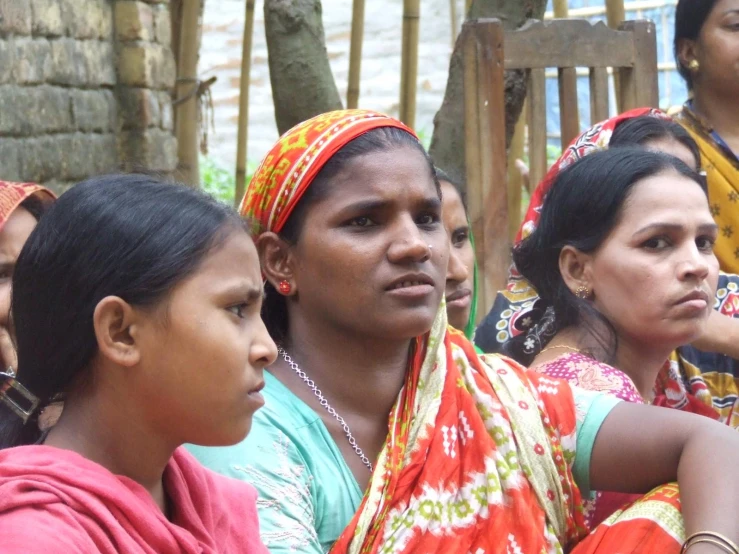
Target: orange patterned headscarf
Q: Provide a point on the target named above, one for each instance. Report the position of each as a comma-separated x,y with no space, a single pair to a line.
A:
13,194
298,156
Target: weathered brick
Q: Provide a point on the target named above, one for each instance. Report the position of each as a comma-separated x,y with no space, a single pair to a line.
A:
53,113
90,154
166,110
15,17
93,110
146,65
29,111
33,61
7,60
153,149
139,108
68,62
88,19
10,152
41,158
99,59
47,18
163,25
59,187
17,103
133,21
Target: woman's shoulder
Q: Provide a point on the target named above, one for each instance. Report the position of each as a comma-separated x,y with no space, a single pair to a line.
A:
590,374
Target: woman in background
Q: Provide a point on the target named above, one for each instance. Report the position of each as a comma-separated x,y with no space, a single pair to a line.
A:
21,206
461,277
707,55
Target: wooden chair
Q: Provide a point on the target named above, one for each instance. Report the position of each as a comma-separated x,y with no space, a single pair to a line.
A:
565,44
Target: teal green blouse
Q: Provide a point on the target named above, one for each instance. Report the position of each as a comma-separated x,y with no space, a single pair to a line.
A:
307,494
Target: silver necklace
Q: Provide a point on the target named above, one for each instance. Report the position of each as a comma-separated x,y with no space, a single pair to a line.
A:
308,381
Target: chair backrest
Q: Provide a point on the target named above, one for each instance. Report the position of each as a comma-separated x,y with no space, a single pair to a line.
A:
564,44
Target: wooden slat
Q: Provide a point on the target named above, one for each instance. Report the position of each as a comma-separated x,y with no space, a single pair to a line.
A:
645,78
485,154
562,43
569,117
598,94
537,102
615,14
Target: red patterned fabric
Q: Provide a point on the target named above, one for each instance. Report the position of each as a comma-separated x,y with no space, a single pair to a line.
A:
595,138
298,156
13,194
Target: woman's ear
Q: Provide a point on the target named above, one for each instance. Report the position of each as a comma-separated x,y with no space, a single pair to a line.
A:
687,51
277,260
575,268
116,326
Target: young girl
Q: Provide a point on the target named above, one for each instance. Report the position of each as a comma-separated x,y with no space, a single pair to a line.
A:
136,303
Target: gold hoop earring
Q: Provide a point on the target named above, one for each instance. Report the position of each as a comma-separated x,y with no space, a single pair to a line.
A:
694,65
582,292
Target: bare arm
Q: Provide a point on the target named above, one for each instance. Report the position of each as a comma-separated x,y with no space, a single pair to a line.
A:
721,335
640,447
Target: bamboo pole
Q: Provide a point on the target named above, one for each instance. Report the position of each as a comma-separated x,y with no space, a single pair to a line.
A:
467,6
355,54
453,17
615,15
186,124
561,9
243,133
515,180
409,61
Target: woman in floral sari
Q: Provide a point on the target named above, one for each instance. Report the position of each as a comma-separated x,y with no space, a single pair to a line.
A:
384,431
21,206
696,376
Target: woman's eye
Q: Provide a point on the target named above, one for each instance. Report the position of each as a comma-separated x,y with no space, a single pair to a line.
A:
460,238
238,310
361,221
427,219
656,244
705,243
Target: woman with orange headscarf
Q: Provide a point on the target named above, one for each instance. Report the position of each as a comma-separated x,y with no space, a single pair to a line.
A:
384,431
21,206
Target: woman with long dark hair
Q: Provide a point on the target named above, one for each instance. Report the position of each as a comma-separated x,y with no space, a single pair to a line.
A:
135,303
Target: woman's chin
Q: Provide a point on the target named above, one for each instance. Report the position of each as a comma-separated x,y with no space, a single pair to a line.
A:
409,326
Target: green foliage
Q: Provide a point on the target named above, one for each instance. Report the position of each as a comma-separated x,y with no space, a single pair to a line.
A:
553,154
425,137
219,182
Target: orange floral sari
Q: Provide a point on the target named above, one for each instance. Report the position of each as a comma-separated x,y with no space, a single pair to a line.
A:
479,452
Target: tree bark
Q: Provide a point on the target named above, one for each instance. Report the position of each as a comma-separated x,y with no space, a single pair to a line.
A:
302,82
447,142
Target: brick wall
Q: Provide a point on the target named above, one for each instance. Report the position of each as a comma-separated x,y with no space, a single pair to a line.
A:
85,88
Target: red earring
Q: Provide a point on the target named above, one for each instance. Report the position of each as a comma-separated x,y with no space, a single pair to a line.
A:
285,287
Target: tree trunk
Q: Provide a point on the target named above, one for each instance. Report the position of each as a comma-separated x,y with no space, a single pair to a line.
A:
302,82
447,143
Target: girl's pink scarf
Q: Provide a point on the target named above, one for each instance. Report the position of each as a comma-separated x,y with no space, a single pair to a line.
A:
54,500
